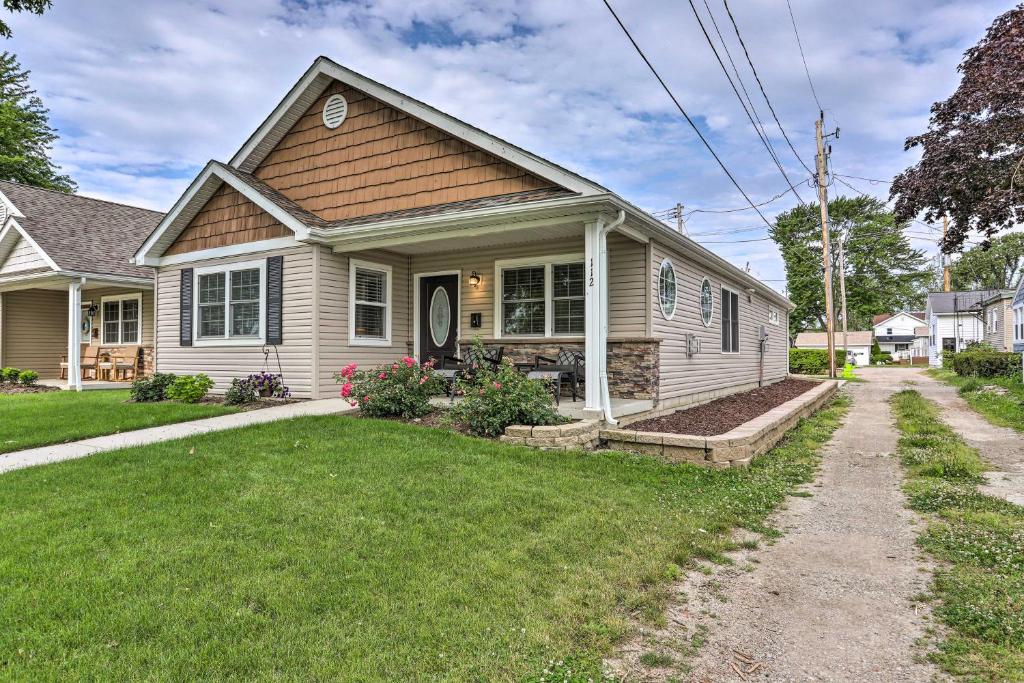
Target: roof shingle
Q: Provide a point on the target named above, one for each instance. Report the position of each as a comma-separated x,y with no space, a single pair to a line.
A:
82,234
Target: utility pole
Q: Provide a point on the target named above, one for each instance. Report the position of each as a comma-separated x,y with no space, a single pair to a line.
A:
826,255
680,226
842,287
945,259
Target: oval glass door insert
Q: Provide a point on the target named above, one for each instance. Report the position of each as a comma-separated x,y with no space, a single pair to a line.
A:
440,316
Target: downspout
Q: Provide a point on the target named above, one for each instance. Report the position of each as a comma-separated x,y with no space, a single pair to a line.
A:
602,242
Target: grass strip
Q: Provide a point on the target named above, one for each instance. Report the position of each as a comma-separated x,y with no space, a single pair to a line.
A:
978,540
30,420
1001,409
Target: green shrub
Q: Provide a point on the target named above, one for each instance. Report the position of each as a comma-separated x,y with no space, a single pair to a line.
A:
9,375
240,392
813,361
881,358
981,362
28,378
189,388
494,400
402,389
152,388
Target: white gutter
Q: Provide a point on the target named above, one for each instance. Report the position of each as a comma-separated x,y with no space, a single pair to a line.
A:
602,308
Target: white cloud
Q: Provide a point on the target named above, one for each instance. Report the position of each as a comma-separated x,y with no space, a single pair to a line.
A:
145,93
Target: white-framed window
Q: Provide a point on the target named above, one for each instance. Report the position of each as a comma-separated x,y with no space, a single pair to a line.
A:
1018,324
707,302
230,303
730,321
667,289
369,299
773,315
888,331
540,297
121,319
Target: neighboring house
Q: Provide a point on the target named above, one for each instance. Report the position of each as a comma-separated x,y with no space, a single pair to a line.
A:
1017,305
858,344
360,225
997,312
897,334
67,284
954,322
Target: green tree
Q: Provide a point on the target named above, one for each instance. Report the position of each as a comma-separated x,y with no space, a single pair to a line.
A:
34,6
883,272
25,133
999,266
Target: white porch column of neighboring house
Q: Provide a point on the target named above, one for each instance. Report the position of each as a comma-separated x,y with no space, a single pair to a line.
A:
75,335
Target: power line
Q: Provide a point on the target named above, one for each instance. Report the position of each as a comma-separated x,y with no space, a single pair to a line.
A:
800,45
760,85
682,111
870,180
760,132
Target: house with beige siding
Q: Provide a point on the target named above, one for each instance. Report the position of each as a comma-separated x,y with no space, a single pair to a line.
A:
357,224
68,289
997,315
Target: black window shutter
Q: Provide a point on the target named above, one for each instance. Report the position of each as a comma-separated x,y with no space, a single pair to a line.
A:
275,273
185,336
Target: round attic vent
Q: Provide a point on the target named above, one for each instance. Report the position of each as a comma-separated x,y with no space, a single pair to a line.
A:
335,110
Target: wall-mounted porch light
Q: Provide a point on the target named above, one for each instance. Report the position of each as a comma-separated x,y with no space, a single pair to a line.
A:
474,279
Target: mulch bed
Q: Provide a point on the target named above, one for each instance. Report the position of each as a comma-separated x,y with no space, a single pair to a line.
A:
725,414
18,389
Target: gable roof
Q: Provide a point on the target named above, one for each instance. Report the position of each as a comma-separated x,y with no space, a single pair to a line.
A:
956,302
81,234
324,70
853,338
882,317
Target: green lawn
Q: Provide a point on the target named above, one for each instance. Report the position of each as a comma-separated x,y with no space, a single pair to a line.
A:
28,420
1005,411
340,548
979,541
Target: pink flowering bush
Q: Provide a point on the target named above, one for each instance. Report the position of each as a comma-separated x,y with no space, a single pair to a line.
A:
402,389
493,400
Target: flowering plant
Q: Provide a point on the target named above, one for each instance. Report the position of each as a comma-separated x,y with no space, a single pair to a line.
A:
495,399
255,386
402,389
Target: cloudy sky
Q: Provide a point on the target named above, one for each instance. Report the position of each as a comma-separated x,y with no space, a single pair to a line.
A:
145,92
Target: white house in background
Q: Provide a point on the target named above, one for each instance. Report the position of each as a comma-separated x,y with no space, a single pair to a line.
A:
1017,306
897,334
858,344
954,321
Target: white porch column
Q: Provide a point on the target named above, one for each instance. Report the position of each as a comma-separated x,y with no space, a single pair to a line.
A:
75,335
593,310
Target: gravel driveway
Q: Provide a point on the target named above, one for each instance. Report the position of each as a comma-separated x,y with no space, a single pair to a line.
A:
831,600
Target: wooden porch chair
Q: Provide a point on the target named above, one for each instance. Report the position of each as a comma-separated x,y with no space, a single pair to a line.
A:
85,364
130,363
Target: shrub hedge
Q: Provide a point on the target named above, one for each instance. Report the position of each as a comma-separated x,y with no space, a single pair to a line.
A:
813,361
983,363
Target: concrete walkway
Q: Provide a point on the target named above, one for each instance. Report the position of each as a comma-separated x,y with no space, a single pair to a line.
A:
141,437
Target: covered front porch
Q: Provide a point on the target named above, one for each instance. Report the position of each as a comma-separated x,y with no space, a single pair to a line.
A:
77,332
527,289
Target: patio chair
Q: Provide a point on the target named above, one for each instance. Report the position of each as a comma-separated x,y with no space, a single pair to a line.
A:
129,364
452,367
84,365
567,366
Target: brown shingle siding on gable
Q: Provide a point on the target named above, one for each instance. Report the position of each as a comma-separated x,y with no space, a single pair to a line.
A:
228,218
381,160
